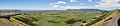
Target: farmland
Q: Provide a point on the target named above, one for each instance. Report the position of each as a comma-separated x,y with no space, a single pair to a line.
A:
57,18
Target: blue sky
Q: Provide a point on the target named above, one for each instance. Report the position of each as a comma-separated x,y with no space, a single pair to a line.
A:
59,4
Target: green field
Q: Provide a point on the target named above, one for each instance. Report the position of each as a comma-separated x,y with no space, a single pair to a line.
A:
57,18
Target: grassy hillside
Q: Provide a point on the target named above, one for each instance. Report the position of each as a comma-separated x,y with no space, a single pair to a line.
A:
58,18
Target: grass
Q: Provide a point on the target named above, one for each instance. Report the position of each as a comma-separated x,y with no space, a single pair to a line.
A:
58,18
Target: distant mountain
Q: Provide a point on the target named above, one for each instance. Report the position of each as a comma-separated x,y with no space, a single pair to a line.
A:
18,10
86,10
83,10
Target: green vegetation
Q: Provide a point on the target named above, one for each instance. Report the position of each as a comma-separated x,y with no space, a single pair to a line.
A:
57,18
104,15
61,17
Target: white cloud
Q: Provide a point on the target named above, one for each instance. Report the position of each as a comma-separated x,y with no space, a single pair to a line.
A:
73,7
77,7
110,1
108,4
59,2
90,0
81,3
55,6
103,4
73,0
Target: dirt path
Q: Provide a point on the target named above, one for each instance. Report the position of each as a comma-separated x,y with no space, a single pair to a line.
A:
113,22
6,22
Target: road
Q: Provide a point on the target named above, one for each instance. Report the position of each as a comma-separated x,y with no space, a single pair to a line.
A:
113,21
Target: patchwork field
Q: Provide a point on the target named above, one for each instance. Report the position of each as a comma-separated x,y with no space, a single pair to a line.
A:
58,18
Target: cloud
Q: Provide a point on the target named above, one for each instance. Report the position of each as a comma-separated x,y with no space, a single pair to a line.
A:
76,7
55,6
73,0
59,2
110,1
81,3
108,4
102,4
90,0
73,7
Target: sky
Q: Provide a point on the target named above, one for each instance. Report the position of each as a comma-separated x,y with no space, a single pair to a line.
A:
59,4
